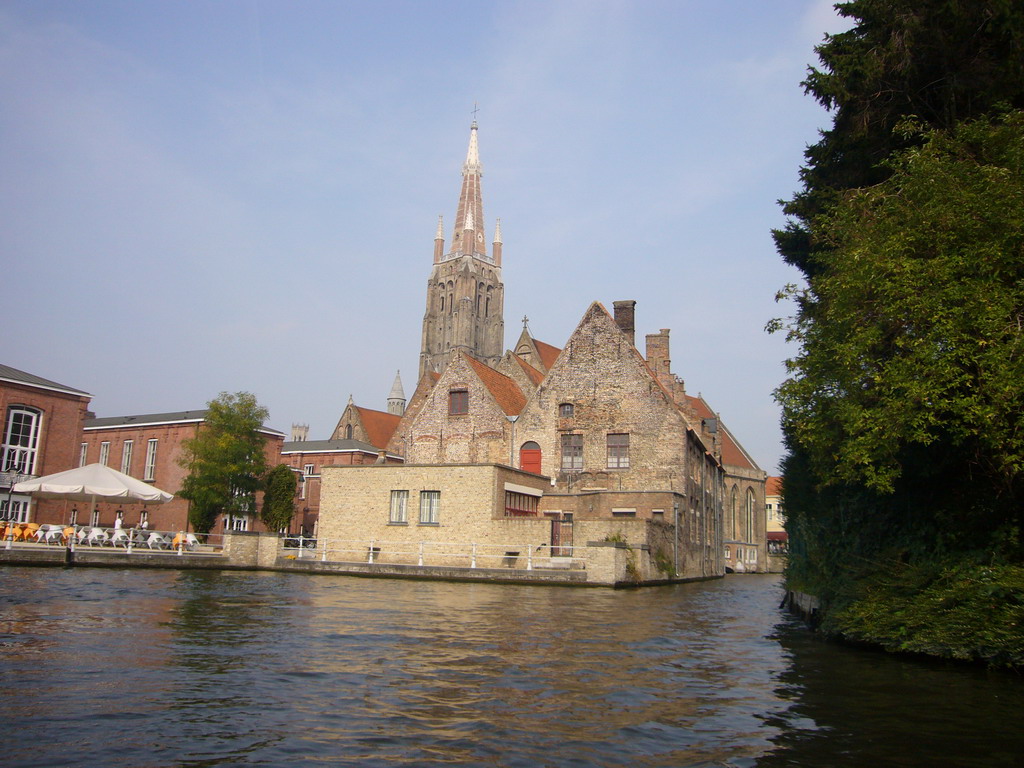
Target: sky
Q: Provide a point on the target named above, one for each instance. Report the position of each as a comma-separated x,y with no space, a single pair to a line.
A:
242,195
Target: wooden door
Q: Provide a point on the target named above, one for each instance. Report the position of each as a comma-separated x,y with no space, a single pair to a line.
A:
530,458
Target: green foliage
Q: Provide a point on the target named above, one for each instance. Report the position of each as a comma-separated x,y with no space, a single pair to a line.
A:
913,333
663,562
225,460
901,415
962,611
278,498
943,62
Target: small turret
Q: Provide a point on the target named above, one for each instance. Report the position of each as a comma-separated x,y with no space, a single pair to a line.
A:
396,398
496,245
439,241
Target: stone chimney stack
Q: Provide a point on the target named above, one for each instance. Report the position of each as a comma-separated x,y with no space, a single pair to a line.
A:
625,313
658,353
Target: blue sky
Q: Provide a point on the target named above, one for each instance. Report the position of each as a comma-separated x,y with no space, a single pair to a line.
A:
242,195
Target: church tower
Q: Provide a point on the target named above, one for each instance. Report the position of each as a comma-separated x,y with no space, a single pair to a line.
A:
465,295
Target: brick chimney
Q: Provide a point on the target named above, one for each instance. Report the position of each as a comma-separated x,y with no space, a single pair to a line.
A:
658,352
625,313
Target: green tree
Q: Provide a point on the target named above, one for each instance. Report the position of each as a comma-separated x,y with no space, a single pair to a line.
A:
903,406
225,460
942,61
904,456
279,498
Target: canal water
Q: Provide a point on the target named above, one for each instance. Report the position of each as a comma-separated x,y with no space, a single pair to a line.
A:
158,668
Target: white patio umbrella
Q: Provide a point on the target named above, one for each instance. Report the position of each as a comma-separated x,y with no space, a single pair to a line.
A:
91,482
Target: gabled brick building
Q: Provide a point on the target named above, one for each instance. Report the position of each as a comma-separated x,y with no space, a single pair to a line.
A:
366,425
622,445
149,447
42,434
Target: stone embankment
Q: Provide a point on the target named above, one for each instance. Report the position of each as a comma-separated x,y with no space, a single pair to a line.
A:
600,564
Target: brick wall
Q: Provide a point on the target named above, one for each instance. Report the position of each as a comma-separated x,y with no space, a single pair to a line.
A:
478,437
356,501
60,433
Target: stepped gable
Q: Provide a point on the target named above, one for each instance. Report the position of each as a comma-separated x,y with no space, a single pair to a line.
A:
506,392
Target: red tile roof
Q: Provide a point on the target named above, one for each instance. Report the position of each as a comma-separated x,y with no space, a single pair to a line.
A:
534,375
548,354
379,426
732,453
773,486
506,392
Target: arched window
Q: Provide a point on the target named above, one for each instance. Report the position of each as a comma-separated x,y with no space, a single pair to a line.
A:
21,439
750,516
348,431
730,522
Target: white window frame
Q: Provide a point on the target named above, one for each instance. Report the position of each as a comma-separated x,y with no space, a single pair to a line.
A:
21,451
83,454
150,471
399,512
15,508
105,453
309,470
237,523
126,456
430,507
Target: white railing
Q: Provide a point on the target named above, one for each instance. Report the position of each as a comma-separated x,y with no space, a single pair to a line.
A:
516,556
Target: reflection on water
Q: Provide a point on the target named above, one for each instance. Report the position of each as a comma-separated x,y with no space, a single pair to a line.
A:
121,667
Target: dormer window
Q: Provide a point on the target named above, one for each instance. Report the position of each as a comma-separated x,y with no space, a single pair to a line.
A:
565,411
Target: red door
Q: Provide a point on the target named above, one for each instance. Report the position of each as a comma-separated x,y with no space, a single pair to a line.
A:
529,458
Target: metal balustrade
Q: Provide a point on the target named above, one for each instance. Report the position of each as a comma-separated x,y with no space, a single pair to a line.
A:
104,538
449,554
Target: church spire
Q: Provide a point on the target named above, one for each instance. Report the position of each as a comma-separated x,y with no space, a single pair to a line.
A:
465,295
471,206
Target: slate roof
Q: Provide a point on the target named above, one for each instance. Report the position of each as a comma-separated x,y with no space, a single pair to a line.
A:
152,419
327,446
172,417
7,373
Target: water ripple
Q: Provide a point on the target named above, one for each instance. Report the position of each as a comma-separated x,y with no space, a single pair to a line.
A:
129,668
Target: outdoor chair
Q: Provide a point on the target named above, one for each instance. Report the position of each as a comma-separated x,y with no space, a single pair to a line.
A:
158,541
98,536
